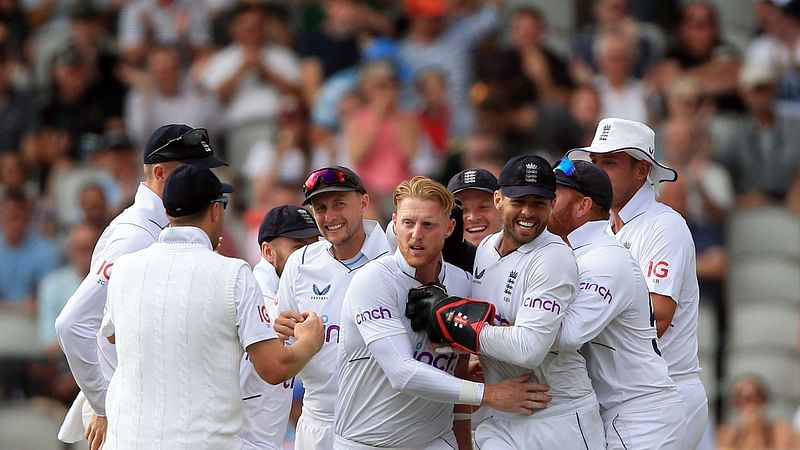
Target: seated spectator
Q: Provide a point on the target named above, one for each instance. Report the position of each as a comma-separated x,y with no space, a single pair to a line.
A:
382,138
54,291
249,76
435,112
25,255
146,23
776,49
699,52
751,428
614,16
164,94
18,119
703,195
94,207
622,95
762,153
437,38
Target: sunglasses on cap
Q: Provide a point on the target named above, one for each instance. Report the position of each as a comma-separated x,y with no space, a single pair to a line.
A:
193,137
223,200
328,176
565,166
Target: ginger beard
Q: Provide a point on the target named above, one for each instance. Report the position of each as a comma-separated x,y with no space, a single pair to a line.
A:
421,227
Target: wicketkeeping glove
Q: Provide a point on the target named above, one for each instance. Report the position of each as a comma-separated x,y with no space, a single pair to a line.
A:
454,320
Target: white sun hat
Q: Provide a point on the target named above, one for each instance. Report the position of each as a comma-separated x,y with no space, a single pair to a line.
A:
634,138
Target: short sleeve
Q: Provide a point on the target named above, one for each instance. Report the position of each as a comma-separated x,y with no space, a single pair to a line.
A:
668,253
251,314
372,300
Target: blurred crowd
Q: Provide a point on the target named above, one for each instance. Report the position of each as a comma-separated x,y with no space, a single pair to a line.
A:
389,88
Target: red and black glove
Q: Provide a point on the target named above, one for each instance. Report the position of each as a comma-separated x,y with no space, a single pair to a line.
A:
448,319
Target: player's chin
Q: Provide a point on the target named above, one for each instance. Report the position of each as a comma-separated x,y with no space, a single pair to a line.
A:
420,258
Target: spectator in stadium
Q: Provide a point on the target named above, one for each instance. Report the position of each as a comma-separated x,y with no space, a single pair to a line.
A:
164,94
25,256
776,48
94,207
622,95
435,113
437,39
585,107
761,153
751,427
248,77
18,119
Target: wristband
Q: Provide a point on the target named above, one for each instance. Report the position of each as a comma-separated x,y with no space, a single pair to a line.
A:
459,417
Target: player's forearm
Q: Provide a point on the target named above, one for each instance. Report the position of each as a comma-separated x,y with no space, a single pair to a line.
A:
516,345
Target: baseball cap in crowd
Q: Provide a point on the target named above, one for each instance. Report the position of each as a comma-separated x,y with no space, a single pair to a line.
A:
287,221
528,175
480,179
331,179
587,179
634,138
189,189
176,142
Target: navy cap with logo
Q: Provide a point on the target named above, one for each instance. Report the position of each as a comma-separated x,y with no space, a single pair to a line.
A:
183,143
331,179
287,221
587,179
528,175
480,179
190,189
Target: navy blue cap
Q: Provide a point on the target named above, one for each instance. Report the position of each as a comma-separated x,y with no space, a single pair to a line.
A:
528,175
480,179
190,189
176,142
587,179
287,221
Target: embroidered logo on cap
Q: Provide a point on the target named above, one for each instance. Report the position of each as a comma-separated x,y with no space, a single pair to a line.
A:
531,172
469,176
605,132
306,216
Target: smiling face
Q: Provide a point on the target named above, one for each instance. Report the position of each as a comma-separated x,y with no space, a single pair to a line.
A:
421,227
339,215
524,219
481,218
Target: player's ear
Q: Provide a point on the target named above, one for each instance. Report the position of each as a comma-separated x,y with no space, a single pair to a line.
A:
498,199
267,253
451,225
364,202
394,220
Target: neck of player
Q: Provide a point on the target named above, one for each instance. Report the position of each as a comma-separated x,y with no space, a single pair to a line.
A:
429,272
350,248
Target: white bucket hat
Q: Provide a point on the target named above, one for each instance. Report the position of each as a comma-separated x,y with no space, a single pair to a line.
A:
634,138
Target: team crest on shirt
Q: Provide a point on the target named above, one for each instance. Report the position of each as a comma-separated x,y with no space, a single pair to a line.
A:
480,274
512,278
627,245
320,294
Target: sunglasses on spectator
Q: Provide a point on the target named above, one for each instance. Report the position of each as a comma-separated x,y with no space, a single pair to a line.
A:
190,138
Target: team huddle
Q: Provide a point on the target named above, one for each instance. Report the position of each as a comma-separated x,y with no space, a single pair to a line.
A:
549,308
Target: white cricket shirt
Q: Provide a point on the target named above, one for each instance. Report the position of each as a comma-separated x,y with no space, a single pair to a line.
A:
531,287
662,245
368,409
92,359
313,280
266,406
612,313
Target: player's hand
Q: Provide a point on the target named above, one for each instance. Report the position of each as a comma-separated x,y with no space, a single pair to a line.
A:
310,329
96,431
516,395
475,371
285,323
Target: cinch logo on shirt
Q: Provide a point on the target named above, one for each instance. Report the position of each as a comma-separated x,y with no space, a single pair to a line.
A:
590,285
658,269
500,321
445,362
320,294
329,329
374,314
546,305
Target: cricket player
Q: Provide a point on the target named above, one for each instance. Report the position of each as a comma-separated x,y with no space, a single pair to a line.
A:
474,188
316,278
612,315
662,245
92,359
395,389
181,316
531,277
266,407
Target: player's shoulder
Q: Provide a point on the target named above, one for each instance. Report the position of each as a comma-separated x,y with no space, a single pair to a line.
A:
308,254
377,272
663,220
552,246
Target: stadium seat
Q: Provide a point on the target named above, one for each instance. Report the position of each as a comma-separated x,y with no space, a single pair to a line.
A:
781,372
707,330
18,336
31,425
758,279
770,231
763,327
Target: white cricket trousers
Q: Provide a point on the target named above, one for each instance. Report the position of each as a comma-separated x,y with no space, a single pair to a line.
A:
653,422
447,442
695,404
313,434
